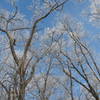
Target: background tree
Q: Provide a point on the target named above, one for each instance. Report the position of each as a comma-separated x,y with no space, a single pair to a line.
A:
47,63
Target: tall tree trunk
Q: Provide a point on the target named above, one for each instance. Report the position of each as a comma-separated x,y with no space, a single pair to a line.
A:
21,92
22,85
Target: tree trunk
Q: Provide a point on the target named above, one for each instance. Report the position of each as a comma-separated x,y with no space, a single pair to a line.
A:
22,85
21,92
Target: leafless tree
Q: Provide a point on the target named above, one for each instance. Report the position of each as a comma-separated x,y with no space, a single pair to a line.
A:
49,63
14,26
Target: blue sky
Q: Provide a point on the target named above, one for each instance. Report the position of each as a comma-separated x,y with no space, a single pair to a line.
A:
72,8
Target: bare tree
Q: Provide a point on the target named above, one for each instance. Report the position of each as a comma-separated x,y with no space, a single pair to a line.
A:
21,65
49,63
